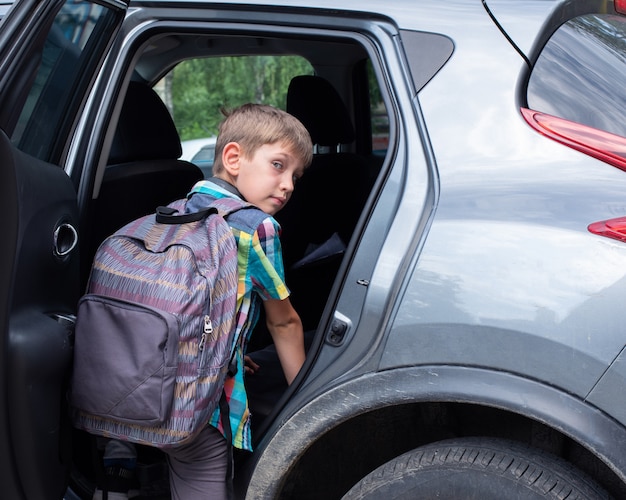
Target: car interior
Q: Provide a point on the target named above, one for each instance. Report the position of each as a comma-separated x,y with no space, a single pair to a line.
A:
144,170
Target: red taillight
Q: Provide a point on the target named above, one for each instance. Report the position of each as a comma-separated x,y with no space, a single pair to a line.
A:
620,6
605,146
614,228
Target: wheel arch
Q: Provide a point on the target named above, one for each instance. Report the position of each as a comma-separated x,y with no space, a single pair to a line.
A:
394,411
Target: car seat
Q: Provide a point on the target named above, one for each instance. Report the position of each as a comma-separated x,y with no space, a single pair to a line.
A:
143,169
320,218
317,223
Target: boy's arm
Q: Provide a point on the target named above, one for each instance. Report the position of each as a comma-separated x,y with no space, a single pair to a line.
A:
285,327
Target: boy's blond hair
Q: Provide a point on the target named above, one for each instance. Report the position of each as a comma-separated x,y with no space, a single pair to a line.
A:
254,125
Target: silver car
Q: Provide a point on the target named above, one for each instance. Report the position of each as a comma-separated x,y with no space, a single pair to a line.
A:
457,250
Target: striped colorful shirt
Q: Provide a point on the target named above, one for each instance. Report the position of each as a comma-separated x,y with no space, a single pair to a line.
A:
261,277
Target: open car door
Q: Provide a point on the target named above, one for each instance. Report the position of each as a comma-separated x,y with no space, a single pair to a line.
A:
50,53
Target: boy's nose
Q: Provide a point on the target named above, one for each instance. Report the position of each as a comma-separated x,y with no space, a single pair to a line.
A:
287,183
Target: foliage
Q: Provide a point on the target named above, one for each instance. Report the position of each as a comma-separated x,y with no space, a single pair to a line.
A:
197,89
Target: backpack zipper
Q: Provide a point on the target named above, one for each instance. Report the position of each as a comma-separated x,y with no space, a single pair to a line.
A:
207,330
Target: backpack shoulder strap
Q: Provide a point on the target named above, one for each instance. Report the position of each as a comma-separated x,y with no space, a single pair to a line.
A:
226,206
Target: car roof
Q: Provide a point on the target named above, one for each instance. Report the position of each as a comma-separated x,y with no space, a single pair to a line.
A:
406,14
411,14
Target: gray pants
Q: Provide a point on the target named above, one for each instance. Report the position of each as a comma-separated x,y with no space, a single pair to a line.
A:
198,469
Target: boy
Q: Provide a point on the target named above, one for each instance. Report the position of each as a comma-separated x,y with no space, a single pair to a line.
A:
260,153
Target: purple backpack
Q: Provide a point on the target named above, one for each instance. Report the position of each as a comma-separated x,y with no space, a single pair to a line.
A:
154,333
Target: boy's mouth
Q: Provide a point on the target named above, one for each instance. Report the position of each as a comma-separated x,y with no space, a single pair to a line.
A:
279,200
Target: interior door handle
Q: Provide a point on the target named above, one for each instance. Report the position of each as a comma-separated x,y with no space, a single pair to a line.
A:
65,239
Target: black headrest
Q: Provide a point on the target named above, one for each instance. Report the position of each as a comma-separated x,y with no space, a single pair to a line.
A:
146,130
316,103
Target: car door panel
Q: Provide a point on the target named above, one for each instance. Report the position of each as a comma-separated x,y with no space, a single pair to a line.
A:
36,354
59,52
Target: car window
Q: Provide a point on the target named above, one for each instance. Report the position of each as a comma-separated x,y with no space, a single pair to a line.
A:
196,90
66,61
579,75
378,115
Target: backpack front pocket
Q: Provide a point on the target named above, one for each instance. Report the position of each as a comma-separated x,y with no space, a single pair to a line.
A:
125,359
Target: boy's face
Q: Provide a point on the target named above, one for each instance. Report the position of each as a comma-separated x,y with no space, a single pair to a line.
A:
267,179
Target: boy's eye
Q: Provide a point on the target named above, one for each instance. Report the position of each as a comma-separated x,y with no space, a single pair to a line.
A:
277,164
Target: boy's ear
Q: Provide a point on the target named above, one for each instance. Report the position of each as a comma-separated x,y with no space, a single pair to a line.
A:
231,154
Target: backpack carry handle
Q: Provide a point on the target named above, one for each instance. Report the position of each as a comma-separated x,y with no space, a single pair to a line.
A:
165,215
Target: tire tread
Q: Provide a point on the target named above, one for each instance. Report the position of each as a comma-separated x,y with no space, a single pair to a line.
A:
546,475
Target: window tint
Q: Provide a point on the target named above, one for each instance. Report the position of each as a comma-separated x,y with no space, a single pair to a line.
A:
581,71
197,89
378,114
68,56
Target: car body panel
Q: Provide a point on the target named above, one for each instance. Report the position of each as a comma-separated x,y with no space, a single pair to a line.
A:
607,394
507,202
400,386
511,204
522,27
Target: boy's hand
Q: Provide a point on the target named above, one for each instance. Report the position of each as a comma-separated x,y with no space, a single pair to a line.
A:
250,366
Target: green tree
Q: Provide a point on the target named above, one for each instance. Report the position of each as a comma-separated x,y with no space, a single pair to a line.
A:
197,89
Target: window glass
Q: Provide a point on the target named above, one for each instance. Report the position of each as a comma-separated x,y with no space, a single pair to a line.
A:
197,89
378,114
66,60
581,71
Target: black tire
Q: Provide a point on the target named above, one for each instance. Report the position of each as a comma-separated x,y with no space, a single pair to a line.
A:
476,468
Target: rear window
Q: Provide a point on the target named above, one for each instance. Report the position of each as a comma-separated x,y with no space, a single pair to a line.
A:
196,90
580,73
